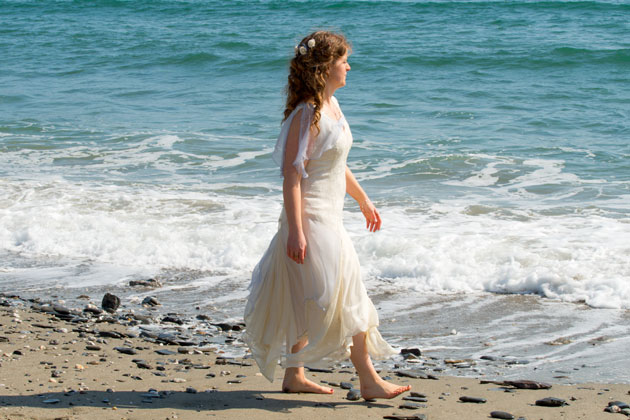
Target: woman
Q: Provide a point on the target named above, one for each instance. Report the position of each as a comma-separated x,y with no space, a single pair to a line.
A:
306,293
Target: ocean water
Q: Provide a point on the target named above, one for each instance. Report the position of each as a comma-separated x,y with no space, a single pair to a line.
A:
136,139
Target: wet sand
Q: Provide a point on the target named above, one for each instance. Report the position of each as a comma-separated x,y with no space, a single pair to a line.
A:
56,369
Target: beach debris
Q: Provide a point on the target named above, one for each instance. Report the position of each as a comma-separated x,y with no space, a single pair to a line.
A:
110,302
501,415
520,384
559,341
551,402
126,350
153,283
150,301
475,400
600,340
353,395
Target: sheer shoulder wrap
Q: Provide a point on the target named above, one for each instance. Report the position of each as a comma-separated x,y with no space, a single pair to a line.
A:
310,145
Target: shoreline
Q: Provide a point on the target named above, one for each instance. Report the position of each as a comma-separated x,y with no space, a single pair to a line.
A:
55,368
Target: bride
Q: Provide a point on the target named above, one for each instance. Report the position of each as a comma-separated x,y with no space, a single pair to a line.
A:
306,293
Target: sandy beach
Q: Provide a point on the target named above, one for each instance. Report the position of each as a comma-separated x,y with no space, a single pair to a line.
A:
52,368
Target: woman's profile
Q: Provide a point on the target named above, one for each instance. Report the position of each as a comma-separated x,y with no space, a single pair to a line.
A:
307,302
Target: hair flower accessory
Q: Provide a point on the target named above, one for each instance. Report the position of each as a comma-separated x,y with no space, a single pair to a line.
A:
302,49
311,43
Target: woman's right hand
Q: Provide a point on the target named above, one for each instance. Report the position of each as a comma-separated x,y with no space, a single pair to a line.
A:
296,247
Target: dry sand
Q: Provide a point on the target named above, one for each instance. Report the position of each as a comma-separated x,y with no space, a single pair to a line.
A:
48,372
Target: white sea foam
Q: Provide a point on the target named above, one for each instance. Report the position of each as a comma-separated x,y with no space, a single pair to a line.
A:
442,249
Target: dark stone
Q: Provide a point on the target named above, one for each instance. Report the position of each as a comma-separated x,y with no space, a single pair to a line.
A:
234,381
143,365
111,334
403,417
475,400
417,394
353,395
551,402
191,390
166,352
125,350
319,370
346,385
412,406
518,362
173,319
414,351
618,404
110,303
415,399
4,340
145,283
501,415
415,374
202,317
18,353
150,301
93,348
168,338
525,384
490,358
61,309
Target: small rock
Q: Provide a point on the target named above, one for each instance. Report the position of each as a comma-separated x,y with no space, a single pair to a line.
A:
346,385
93,347
415,399
353,395
417,394
411,406
551,402
415,351
526,384
165,352
51,401
125,350
475,400
618,404
404,417
145,283
191,390
93,309
501,415
150,301
110,302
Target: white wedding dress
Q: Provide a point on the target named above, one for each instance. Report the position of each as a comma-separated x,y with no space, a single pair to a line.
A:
323,299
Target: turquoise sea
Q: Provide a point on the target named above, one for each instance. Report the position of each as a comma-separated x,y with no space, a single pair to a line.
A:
494,136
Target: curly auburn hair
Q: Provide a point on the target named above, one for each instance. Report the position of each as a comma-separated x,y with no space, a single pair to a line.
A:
308,72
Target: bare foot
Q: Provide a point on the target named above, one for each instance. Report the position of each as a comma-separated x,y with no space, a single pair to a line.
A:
382,389
304,385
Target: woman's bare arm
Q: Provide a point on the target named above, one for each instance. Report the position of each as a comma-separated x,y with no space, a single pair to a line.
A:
296,243
372,217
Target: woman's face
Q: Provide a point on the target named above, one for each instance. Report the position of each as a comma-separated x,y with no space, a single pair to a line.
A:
338,70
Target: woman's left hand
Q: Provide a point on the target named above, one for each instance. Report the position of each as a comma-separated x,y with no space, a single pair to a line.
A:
372,217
